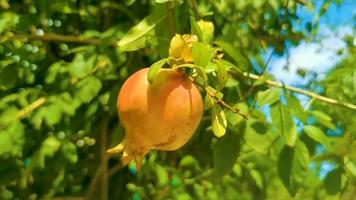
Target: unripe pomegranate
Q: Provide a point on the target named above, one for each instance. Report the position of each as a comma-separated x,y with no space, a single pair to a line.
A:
162,115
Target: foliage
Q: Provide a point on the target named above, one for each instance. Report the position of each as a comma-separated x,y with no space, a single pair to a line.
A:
63,62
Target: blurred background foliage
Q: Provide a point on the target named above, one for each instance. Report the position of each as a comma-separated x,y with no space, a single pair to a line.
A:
62,63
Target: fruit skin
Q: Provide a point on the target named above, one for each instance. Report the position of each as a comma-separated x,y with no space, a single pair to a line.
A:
162,115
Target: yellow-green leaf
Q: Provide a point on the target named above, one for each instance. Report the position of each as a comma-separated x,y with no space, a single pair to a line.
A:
219,122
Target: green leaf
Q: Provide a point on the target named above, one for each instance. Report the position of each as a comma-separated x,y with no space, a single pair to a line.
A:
188,161
208,102
162,175
350,166
53,70
222,75
82,65
258,135
8,77
268,97
234,54
235,119
256,176
293,166
323,119
88,88
136,37
195,29
69,151
12,139
8,19
53,114
213,92
201,53
332,181
317,134
225,154
283,122
199,69
296,108
48,147
154,69
219,122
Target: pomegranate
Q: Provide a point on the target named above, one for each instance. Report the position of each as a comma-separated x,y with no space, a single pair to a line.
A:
158,116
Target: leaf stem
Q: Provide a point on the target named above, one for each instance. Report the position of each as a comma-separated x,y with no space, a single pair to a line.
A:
218,100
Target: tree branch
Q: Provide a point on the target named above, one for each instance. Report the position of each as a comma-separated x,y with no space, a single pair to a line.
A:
54,37
297,90
94,41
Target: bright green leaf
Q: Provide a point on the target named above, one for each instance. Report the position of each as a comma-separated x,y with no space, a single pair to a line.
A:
12,139
69,151
323,119
283,122
88,88
201,72
268,97
350,166
195,29
208,102
234,54
82,65
162,175
256,176
296,108
8,19
154,69
136,37
48,147
317,134
188,161
53,114
219,122
53,70
202,54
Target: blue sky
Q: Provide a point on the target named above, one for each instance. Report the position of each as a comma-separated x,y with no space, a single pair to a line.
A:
317,58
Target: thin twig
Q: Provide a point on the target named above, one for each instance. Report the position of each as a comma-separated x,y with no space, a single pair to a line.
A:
194,5
34,105
235,74
170,19
102,172
90,192
104,159
252,87
218,100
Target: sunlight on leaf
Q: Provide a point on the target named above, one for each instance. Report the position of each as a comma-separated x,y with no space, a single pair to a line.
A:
219,122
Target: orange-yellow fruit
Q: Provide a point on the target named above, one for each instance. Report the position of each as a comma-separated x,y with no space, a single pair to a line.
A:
162,115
